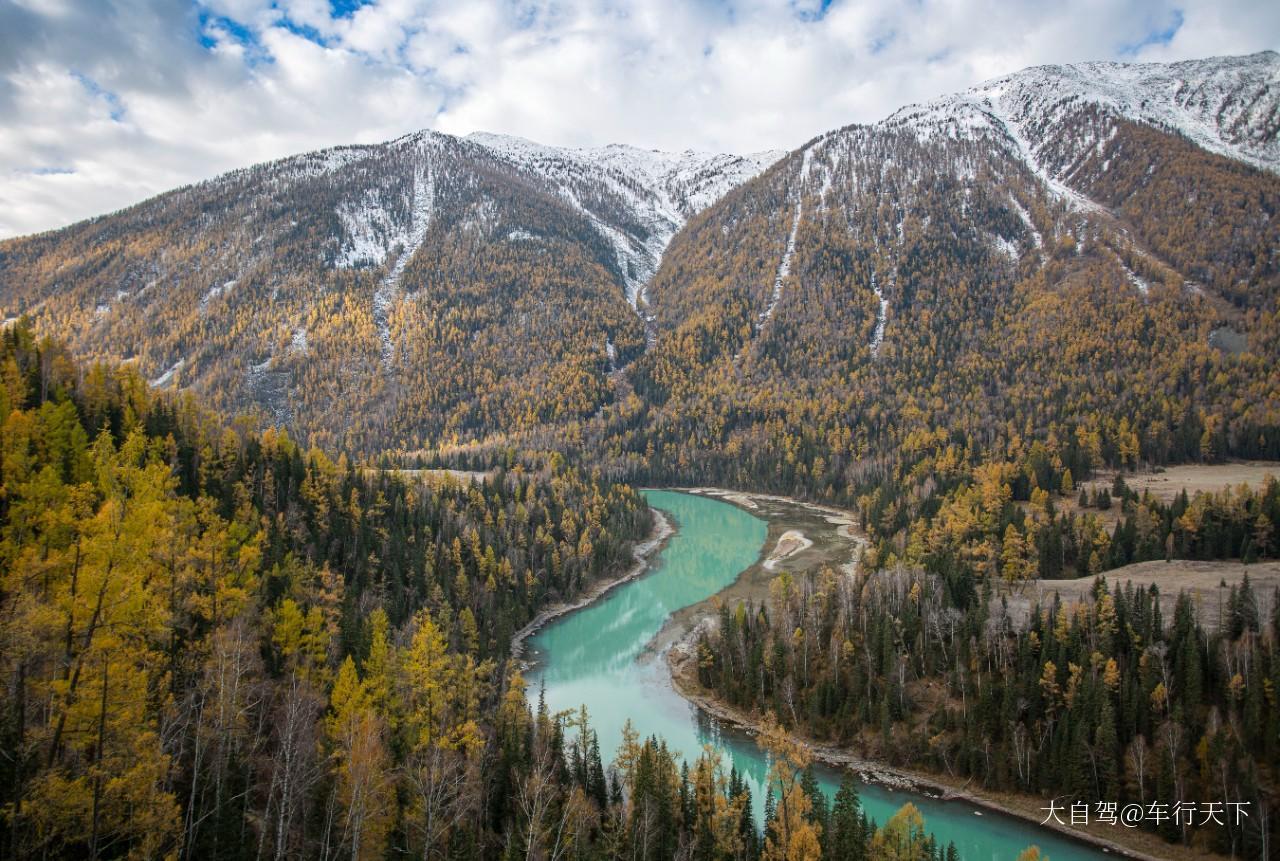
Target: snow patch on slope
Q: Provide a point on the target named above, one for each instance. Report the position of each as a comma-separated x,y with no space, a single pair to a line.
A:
1143,286
371,232
421,212
167,377
1026,220
882,318
784,265
324,162
660,190
1007,248
784,268
214,292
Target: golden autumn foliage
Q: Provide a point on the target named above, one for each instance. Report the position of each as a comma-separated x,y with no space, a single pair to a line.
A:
214,642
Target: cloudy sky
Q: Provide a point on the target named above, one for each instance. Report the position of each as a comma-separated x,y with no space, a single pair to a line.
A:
106,102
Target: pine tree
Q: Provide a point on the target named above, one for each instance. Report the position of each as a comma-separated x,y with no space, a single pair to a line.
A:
597,788
794,836
809,783
847,838
1106,752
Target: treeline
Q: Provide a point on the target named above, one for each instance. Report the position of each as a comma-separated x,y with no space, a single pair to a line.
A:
650,805
998,523
1104,700
1231,523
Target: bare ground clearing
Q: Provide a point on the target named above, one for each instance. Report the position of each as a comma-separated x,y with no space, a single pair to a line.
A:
1170,481
1202,579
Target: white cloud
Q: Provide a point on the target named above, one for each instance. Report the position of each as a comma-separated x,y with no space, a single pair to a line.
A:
103,104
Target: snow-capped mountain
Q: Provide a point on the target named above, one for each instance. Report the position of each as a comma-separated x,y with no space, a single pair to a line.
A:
1056,120
439,288
1169,172
655,192
663,189
1229,106
1226,105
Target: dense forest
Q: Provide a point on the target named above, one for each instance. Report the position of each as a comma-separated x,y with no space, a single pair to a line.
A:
1099,701
217,644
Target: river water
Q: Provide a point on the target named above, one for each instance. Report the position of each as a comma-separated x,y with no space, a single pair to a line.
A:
596,657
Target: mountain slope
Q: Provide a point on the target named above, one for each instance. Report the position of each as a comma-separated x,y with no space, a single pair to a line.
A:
436,290
1227,105
414,292
1030,158
1023,262
662,189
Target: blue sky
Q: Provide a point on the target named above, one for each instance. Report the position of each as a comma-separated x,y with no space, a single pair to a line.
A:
106,102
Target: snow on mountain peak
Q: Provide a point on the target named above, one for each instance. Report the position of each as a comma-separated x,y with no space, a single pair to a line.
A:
650,193
686,182
661,189
1227,105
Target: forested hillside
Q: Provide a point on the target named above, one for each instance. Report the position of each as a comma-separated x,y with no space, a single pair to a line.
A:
217,644
928,317
394,296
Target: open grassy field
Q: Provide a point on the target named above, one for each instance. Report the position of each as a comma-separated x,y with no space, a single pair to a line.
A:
1169,482
1202,579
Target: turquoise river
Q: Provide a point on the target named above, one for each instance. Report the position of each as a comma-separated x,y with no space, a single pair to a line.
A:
596,657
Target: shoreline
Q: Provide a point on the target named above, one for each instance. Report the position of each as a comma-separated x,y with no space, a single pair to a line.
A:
679,654
658,536
843,519
830,538
878,773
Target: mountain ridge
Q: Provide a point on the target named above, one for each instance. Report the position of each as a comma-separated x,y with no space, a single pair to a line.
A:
524,275
1241,95
675,187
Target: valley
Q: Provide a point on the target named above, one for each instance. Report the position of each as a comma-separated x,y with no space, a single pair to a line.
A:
321,529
